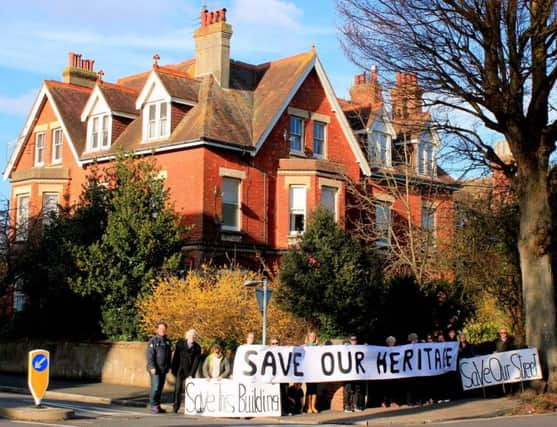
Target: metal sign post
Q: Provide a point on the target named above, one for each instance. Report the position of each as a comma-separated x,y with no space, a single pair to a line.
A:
38,373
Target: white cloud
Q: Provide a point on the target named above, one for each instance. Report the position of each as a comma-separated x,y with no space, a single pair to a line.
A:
18,105
267,14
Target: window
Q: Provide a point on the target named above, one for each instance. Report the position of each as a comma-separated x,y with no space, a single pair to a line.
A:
157,123
328,199
296,134
99,132
39,148
379,149
297,210
230,204
22,216
56,145
50,207
428,223
318,139
19,295
425,159
383,224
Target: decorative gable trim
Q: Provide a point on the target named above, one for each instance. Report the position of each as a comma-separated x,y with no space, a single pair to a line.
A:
43,96
95,97
153,81
331,97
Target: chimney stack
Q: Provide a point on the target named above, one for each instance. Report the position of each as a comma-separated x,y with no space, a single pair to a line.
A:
212,46
406,97
366,89
80,71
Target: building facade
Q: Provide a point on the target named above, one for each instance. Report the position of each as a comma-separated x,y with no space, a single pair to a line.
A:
247,151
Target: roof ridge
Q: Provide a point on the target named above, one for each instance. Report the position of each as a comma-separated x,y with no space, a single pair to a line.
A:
132,76
68,85
117,87
175,72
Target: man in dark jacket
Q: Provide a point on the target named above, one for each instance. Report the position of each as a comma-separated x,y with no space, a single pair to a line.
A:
158,365
184,364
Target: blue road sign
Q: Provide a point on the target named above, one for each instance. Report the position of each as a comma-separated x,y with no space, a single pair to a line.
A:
39,363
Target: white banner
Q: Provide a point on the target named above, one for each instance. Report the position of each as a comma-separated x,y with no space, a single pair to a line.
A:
286,364
228,398
499,368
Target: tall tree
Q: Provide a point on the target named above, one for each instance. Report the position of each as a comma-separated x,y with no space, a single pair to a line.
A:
142,240
331,280
495,61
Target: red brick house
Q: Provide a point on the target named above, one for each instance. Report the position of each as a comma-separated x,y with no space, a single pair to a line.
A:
247,151
406,192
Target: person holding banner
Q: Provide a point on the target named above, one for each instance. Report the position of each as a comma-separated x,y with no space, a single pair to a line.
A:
354,388
216,365
158,365
184,364
311,388
389,399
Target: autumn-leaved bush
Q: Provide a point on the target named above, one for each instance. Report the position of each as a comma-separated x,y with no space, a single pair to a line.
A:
215,303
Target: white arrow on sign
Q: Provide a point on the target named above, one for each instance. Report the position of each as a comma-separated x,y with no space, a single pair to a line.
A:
39,363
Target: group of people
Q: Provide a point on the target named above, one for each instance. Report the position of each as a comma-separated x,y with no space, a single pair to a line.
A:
187,358
183,364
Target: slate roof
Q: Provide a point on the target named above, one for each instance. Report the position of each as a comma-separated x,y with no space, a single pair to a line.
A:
119,98
70,100
237,116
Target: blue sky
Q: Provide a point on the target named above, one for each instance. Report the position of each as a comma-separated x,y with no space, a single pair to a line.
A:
122,36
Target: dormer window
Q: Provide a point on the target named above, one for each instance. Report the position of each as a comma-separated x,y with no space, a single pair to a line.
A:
98,132
426,161
156,121
379,149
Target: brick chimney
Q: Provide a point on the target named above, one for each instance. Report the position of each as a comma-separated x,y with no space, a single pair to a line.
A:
366,89
406,97
212,46
80,71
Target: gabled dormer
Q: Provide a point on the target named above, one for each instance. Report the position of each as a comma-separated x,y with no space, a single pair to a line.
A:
369,119
98,117
164,100
108,111
417,142
428,143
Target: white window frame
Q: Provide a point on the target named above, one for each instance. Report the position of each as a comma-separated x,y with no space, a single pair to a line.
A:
234,202
22,216
383,210
379,148
297,136
334,192
321,141
40,139
47,208
99,129
159,125
57,144
295,210
426,159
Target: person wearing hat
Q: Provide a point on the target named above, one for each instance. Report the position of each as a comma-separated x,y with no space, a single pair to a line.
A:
354,388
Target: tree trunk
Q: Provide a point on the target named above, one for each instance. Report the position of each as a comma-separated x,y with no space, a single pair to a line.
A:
537,275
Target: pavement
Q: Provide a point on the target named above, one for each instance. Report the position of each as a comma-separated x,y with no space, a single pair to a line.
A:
102,393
